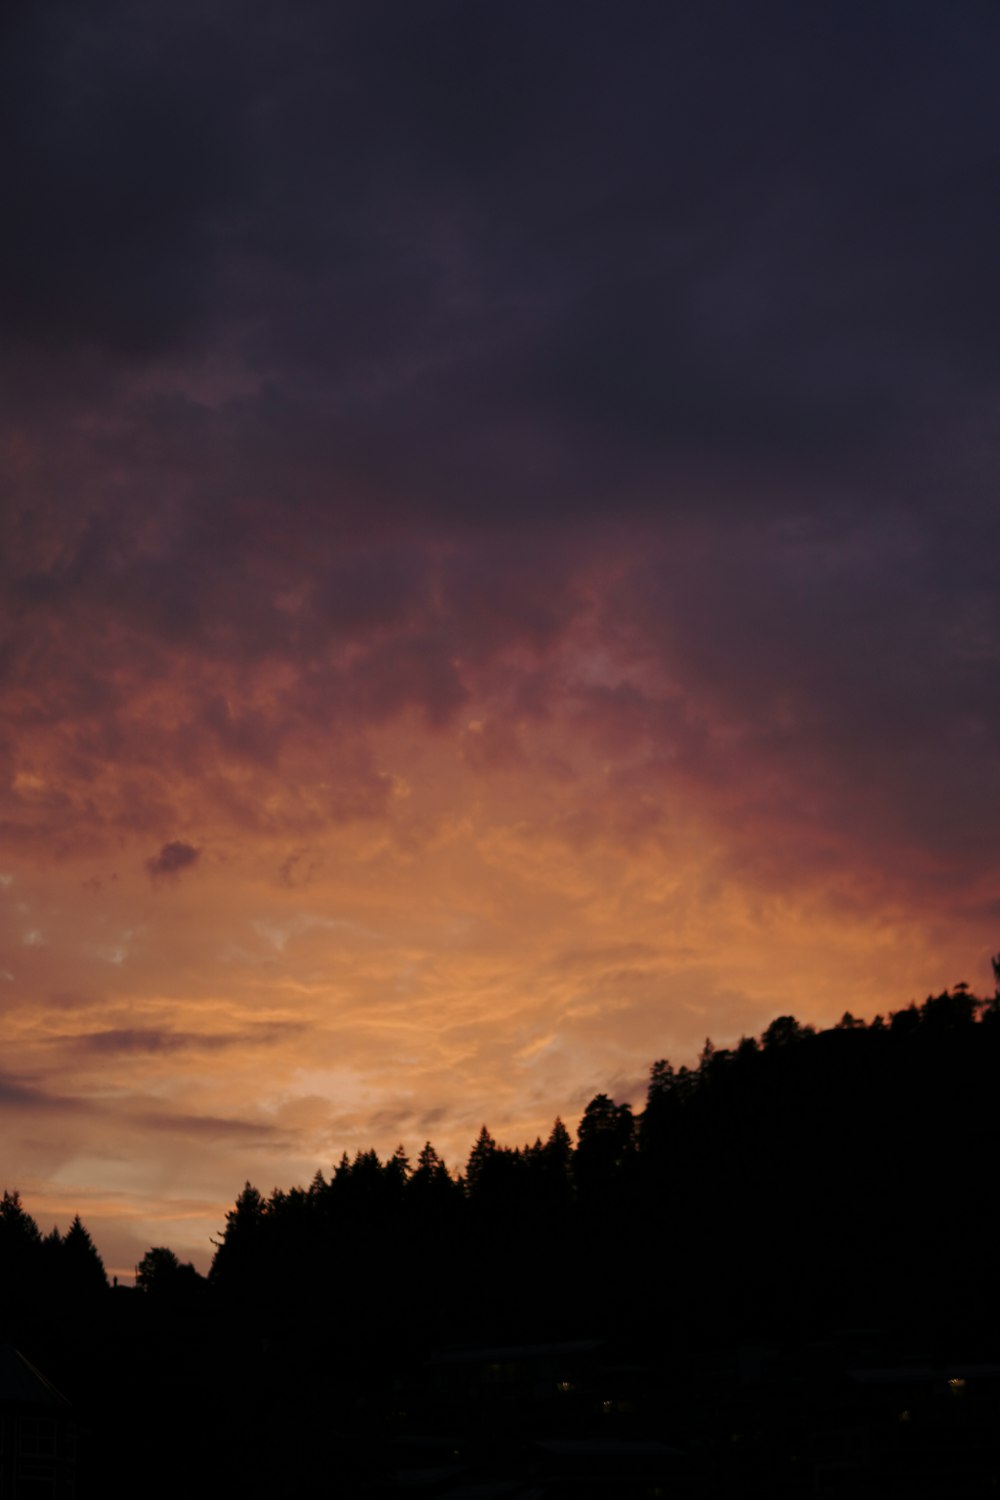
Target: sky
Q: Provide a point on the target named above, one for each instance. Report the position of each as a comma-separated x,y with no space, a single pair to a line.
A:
498,565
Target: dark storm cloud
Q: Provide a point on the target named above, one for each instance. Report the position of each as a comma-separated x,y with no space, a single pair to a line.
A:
520,256
127,161
355,340
172,859
822,680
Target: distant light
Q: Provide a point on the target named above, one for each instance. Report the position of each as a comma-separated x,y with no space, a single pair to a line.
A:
957,1383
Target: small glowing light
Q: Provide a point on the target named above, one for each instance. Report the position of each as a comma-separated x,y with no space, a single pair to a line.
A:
957,1383
904,1416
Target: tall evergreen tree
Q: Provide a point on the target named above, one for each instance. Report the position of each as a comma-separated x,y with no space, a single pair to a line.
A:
83,1268
481,1157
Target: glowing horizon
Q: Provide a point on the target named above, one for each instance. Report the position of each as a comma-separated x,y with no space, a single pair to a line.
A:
492,592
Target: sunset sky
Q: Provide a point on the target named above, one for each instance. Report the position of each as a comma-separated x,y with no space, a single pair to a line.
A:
499,563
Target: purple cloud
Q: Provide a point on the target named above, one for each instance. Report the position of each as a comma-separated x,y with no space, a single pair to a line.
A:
172,859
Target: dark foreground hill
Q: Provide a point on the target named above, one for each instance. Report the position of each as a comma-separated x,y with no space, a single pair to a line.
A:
777,1278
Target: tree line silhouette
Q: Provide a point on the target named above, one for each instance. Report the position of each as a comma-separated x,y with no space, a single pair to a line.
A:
799,1178
795,1184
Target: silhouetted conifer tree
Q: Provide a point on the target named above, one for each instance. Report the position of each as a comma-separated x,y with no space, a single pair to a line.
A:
605,1140
557,1158
239,1255
82,1267
431,1180
480,1160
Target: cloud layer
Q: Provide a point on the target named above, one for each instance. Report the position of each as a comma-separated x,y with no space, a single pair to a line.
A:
497,563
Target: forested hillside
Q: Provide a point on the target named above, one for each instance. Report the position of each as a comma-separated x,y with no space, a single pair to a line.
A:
795,1181
827,1196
